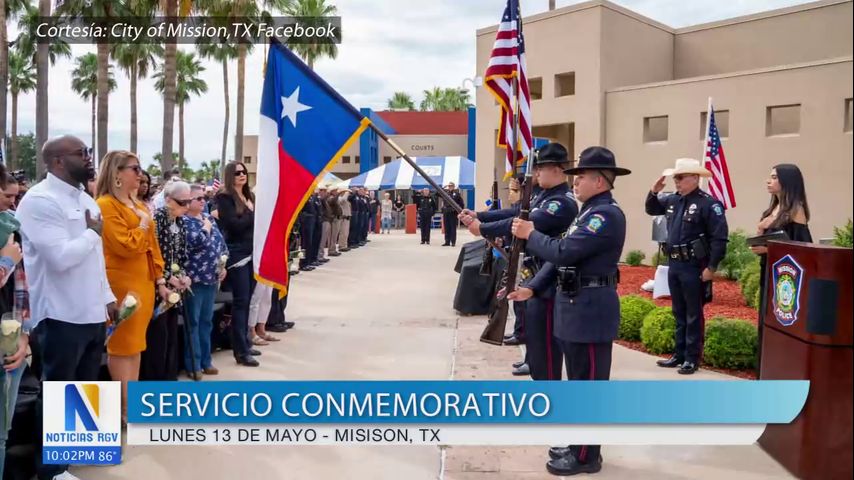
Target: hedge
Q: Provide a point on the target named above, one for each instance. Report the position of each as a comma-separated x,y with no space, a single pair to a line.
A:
633,309
731,343
738,256
749,283
659,330
635,258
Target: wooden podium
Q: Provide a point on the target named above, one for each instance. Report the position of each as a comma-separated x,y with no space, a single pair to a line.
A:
807,335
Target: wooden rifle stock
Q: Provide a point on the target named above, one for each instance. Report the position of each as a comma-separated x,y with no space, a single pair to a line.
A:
494,331
488,261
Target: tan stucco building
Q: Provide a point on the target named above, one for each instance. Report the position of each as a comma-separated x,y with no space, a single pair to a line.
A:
781,81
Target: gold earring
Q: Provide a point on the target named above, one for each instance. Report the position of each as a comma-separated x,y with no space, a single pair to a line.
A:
118,183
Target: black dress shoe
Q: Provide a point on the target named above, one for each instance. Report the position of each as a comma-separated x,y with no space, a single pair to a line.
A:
508,336
514,340
559,452
569,465
523,370
671,362
254,353
518,364
306,268
247,361
688,368
323,261
336,254
278,328
289,324
446,244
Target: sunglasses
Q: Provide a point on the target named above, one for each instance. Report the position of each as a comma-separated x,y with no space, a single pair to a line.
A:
182,203
199,199
85,153
239,173
679,177
136,168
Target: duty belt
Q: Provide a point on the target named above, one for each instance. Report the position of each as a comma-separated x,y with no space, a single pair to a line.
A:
683,253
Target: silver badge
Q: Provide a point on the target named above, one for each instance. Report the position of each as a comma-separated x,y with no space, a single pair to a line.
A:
692,209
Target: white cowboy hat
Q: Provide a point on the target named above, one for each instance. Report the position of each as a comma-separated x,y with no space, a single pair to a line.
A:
687,166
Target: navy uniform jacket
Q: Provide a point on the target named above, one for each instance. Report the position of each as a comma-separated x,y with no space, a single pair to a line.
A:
552,211
426,205
594,245
688,217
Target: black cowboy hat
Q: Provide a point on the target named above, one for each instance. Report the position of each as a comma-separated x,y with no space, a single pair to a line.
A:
597,158
551,153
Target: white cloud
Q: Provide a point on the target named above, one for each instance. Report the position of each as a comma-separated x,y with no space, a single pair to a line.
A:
388,45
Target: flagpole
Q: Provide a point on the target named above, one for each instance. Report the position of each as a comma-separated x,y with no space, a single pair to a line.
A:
706,138
439,190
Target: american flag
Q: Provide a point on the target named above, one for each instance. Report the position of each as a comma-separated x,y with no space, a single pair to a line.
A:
215,184
720,185
506,62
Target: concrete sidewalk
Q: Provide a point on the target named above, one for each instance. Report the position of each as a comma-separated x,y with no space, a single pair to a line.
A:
384,311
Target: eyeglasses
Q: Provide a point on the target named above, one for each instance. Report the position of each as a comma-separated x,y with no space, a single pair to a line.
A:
136,168
84,152
199,199
679,178
239,173
182,203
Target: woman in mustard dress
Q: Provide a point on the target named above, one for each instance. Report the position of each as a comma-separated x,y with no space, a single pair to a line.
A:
133,260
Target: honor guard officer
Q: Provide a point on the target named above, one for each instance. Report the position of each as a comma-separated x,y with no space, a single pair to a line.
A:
553,209
584,265
426,210
696,243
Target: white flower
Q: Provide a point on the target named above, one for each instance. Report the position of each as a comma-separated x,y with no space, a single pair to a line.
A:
174,298
9,327
223,258
175,268
130,302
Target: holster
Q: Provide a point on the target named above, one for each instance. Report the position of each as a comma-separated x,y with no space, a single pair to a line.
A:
569,282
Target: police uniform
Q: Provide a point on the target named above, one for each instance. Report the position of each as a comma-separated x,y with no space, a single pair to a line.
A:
696,238
552,211
307,219
583,264
449,217
426,210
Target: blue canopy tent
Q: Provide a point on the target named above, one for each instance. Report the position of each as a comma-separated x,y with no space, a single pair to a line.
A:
399,175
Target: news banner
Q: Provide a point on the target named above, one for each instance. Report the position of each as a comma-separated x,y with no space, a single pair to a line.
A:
83,420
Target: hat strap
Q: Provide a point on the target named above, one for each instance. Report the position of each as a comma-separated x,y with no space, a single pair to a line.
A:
602,173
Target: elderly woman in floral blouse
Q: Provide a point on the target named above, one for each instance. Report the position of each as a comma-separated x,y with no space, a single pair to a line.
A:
160,359
206,268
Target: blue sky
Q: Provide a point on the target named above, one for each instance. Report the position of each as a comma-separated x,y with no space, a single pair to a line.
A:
388,45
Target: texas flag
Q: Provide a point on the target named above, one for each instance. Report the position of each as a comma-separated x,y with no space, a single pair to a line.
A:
305,128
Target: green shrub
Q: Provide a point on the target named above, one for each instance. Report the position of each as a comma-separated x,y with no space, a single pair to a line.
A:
731,343
749,282
738,256
633,309
659,330
842,236
659,259
635,258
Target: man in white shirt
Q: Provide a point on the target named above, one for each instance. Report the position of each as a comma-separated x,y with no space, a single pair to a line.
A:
70,297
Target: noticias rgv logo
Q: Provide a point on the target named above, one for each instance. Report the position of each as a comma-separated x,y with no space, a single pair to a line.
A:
86,410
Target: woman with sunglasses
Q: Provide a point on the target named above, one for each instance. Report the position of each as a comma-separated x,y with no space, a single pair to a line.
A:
235,210
133,261
160,359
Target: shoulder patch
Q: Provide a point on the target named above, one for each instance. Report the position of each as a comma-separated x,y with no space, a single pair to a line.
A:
553,206
596,222
718,209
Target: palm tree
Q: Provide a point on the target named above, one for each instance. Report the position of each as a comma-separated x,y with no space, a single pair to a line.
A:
8,8
223,53
42,72
444,100
317,9
136,59
22,79
170,8
27,42
84,81
401,101
187,84
432,100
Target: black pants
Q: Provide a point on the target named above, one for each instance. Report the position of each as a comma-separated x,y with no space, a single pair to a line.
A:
519,324
366,220
450,221
307,240
277,309
317,233
587,361
160,358
69,352
242,283
686,293
426,221
542,351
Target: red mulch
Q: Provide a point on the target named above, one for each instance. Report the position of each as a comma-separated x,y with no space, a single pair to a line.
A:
727,302
727,299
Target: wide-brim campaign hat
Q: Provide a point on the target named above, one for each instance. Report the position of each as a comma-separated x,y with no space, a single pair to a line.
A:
551,153
597,158
687,166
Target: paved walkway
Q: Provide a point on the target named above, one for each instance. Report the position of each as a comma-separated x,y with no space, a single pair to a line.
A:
384,312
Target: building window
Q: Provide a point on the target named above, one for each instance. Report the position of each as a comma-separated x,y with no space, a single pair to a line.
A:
535,86
783,120
721,119
848,115
564,84
386,159
345,159
358,160
655,129
247,159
